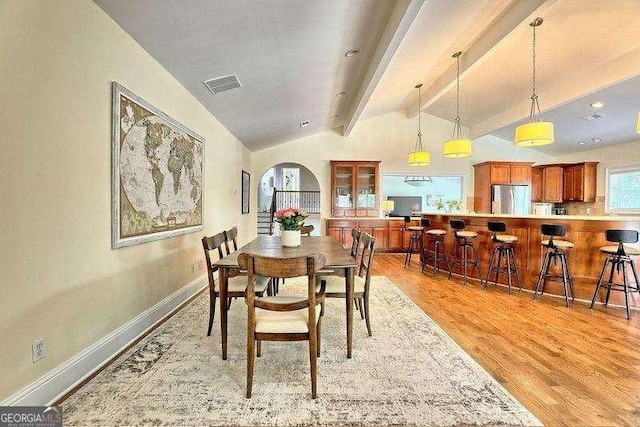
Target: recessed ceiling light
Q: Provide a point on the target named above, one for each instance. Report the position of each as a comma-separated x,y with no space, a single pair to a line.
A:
335,117
304,124
597,104
351,52
339,94
596,140
582,142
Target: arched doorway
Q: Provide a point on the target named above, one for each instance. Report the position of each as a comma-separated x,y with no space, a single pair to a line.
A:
288,185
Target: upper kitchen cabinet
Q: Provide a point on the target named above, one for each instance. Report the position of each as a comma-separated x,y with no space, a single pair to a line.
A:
536,183
497,173
355,188
580,182
552,183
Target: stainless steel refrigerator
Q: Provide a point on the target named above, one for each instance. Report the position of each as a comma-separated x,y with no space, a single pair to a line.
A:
510,199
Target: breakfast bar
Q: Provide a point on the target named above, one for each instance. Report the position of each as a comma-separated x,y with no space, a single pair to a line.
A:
584,259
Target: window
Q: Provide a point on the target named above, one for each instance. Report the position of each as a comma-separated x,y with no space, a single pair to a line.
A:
423,195
623,190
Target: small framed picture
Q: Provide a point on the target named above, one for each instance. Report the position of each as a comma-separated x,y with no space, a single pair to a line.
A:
246,179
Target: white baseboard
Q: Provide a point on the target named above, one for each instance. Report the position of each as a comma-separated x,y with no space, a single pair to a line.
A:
55,384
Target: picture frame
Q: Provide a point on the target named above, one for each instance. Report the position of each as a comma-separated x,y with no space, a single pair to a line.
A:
246,187
157,184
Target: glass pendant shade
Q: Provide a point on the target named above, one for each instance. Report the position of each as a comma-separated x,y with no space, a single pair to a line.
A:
534,134
638,125
457,148
419,158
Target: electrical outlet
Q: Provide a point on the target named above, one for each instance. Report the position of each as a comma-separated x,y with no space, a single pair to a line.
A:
193,267
37,350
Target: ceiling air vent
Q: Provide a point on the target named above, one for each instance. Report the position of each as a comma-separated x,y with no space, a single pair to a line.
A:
592,117
222,84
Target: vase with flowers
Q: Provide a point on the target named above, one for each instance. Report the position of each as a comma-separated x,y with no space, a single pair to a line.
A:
291,221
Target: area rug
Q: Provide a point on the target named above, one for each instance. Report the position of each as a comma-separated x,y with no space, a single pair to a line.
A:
409,373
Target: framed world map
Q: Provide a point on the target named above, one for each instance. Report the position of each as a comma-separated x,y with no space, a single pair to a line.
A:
157,173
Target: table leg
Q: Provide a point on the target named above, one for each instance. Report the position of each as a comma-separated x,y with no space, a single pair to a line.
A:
349,273
223,277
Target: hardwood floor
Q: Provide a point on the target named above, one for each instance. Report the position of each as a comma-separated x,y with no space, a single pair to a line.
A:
568,366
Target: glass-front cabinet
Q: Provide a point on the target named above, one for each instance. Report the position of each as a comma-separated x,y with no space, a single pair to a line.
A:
355,187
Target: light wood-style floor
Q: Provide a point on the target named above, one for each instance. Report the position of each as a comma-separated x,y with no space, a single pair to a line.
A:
568,366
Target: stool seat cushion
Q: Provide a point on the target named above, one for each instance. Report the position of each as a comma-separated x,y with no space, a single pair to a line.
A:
239,284
437,232
506,238
613,249
415,228
467,234
283,322
558,243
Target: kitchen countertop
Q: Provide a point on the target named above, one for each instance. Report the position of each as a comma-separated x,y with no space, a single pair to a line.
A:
364,218
550,217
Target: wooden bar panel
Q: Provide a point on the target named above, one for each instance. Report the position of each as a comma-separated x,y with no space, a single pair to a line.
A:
585,260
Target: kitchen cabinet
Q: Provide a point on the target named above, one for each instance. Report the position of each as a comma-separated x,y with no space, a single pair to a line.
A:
552,184
536,183
580,182
379,230
497,173
355,187
341,231
390,234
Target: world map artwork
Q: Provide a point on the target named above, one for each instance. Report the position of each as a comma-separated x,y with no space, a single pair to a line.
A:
160,173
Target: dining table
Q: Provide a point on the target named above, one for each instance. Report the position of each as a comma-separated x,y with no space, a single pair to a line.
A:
337,258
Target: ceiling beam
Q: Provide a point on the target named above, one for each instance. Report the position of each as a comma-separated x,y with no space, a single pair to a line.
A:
565,90
519,12
399,22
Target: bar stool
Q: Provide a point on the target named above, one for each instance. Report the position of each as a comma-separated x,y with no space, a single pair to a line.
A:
619,256
435,238
464,242
415,240
556,251
503,247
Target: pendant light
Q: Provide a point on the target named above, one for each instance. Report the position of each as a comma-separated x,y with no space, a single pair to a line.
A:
419,157
418,181
458,146
536,132
638,125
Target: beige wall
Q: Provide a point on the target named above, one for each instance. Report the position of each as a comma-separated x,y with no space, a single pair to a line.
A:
60,280
389,138
627,154
612,156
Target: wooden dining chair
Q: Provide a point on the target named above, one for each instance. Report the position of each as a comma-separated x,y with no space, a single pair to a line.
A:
336,286
231,236
355,243
354,252
306,229
237,283
283,318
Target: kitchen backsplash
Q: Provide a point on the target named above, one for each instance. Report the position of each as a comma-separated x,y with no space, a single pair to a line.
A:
579,208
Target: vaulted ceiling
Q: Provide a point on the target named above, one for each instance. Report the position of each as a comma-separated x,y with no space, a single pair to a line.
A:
289,57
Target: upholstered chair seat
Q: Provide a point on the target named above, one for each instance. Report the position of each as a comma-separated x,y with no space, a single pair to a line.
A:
283,322
239,284
335,284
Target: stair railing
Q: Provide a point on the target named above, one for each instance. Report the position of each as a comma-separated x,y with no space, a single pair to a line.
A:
309,201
